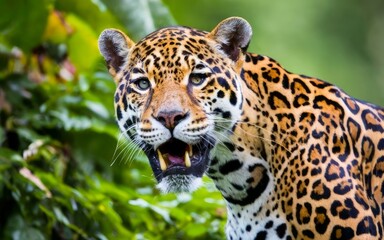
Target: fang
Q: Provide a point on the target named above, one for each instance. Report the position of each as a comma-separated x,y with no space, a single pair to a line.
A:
163,165
187,160
190,150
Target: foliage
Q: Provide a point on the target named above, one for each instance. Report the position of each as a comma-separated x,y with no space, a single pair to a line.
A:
64,172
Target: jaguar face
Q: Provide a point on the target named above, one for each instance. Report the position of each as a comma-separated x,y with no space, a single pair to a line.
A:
172,100
173,126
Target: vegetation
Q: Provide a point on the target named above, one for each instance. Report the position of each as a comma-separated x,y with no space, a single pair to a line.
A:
66,173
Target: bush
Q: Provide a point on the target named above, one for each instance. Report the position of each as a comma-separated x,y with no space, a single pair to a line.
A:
64,171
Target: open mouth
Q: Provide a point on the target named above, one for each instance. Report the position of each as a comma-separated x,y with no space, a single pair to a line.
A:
174,153
176,157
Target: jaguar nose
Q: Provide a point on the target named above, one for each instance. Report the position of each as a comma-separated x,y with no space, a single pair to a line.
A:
170,118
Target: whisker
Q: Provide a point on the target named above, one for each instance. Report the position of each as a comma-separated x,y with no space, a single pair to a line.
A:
129,145
269,141
118,145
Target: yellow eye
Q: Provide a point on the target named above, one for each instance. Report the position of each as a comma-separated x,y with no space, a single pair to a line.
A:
143,83
197,78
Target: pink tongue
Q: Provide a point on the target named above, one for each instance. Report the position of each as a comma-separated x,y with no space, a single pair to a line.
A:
175,159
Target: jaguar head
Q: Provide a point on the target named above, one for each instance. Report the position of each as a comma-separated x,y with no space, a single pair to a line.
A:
178,94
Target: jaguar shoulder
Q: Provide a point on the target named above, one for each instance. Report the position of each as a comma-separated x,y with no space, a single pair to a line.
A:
293,156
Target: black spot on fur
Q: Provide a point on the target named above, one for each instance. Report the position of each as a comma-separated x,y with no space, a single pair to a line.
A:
216,69
220,94
298,87
309,234
230,146
307,208
281,230
125,103
302,188
248,228
252,192
309,117
344,211
233,98
261,235
226,114
321,220
277,97
344,233
378,171
343,188
338,108
351,104
374,126
222,82
301,100
268,76
118,113
269,224
294,232
320,191
334,171
366,225
230,166
285,82
380,145
318,84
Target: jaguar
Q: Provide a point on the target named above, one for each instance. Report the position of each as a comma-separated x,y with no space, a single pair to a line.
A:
293,156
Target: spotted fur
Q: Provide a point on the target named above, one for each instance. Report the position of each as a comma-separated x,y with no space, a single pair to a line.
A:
293,156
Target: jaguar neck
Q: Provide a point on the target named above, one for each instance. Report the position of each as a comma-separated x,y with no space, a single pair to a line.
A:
241,165
271,93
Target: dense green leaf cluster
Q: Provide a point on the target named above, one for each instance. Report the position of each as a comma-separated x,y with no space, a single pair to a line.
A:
64,171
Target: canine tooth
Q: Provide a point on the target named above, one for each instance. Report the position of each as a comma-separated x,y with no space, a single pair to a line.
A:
163,165
187,160
190,150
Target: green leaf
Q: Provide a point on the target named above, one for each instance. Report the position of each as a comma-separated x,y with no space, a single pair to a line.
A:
29,134
196,230
60,216
2,135
14,223
179,214
161,14
17,229
82,45
144,204
97,108
140,17
28,233
8,158
93,12
23,22
72,122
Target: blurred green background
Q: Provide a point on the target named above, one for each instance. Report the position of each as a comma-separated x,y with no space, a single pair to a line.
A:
341,42
64,171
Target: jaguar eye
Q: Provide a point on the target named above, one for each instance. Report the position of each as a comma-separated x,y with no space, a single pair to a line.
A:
197,79
143,83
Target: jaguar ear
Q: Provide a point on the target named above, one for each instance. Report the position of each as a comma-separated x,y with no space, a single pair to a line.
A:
114,45
233,34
